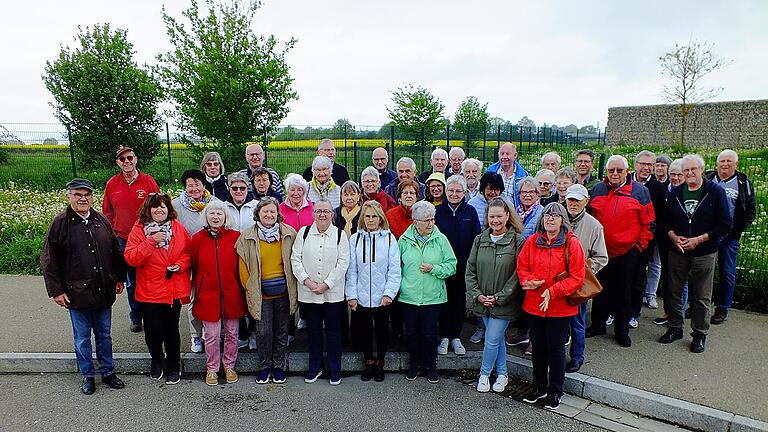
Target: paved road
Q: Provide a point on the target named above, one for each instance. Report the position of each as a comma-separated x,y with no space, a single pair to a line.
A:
53,402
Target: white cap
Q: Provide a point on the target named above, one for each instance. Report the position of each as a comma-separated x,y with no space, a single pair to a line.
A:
577,191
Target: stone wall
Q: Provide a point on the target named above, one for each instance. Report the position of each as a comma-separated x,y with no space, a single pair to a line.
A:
739,124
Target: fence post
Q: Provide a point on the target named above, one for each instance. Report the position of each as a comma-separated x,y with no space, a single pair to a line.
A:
392,139
423,147
601,166
468,143
354,158
346,162
72,152
448,136
485,140
498,142
168,145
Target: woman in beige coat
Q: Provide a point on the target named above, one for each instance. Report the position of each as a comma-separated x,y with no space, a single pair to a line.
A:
267,275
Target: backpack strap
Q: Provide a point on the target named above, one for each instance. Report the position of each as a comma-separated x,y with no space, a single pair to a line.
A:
305,234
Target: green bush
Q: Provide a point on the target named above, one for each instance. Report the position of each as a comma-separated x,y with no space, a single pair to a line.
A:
20,246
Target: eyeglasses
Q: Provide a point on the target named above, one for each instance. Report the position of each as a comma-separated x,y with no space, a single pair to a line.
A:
212,164
369,181
79,195
545,184
430,220
455,191
645,164
615,170
254,154
126,158
528,193
162,194
550,216
583,161
322,211
407,192
238,188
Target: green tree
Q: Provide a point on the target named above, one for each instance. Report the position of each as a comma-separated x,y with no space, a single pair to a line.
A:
104,96
338,129
684,67
526,122
227,83
416,109
470,117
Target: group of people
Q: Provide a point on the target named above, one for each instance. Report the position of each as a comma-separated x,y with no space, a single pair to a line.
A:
399,253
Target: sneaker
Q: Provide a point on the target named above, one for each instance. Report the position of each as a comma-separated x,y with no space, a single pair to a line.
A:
291,339
698,343
457,347
633,322
477,336
720,316
136,327
112,381
442,349
311,377
412,373
432,376
529,349
335,379
483,384
517,339
262,376
211,378
367,371
197,345
156,370
624,341
593,331
660,320
500,384
242,343
534,396
568,342
378,371
252,343
278,376
652,303
231,375
174,377
302,324
572,366
552,402
609,321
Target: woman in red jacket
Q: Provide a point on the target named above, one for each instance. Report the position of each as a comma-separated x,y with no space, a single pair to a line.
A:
219,297
551,266
158,246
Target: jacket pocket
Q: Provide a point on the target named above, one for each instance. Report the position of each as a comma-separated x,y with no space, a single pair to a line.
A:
80,293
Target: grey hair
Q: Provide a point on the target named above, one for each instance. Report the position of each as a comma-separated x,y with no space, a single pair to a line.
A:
554,208
645,153
218,205
267,200
324,141
350,184
237,177
676,164
438,151
370,171
528,181
295,180
619,158
546,172
728,152
323,200
408,161
210,156
557,157
472,161
455,150
456,179
567,172
422,210
663,159
322,162
696,158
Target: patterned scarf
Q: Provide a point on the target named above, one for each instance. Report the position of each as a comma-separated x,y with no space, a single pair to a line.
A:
268,235
190,204
323,189
525,213
153,227
348,216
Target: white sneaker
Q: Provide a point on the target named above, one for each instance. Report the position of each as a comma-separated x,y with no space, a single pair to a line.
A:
652,303
290,339
500,384
457,347
568,342
633,322
302,324
483,385
242,343
197,345
477,336
252,344
442,349
609,321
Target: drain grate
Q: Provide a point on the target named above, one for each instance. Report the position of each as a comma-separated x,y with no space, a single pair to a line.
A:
516,389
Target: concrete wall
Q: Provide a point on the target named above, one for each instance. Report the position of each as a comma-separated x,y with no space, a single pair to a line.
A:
718,124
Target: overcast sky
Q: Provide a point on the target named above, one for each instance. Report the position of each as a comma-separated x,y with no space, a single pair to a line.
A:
557,62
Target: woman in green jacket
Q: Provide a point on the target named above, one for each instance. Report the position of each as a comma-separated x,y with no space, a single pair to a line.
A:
493,290
427,260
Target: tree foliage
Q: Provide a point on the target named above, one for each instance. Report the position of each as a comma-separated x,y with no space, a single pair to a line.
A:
227,83
684,67
526,122
104,96
416,109
471,116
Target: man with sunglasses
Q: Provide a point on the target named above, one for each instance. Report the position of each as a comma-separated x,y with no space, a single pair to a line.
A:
624,208
124,194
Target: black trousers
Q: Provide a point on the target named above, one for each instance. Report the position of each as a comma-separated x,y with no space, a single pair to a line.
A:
618,279
548,337
161,330
367,324
638,289
421,324
396,317
452,312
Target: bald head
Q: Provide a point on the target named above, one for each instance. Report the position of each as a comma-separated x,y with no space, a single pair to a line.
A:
254,155
507,156
380,158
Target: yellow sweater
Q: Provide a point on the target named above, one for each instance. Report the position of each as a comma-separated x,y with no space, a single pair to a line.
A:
271,260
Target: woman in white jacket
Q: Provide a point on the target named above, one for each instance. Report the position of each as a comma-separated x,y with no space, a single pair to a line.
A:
320,257
373,280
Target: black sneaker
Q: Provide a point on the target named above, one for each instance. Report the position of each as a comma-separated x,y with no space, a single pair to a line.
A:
378,371
624,341
174,377
89,386
572,366
552,402
113,381
698,343
412,373
660,320
368,371
671,335
432,376
156,370
534,396
594,331
720,316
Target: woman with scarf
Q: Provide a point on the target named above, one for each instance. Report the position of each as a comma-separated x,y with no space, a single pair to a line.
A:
219,298
322,184
158,246
215,180
189,208
550,267
529,208
296,210
347,214
399,218
371,184
270,286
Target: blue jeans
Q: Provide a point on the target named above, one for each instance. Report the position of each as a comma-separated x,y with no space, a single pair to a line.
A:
578,329
130,287
654,273
726,260
494,349
100,322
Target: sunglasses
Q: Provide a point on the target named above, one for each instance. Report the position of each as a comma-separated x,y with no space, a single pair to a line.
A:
238,188
126,158
162,194
615,170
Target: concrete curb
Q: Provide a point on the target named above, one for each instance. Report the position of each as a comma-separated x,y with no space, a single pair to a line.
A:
642,402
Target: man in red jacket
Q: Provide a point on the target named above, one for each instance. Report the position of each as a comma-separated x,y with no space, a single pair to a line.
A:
124,194
624,208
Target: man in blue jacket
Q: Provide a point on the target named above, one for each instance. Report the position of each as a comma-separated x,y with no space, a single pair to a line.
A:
696,219
510,171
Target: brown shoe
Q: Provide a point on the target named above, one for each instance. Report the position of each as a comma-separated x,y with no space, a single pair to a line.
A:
211,378
231,375
720,316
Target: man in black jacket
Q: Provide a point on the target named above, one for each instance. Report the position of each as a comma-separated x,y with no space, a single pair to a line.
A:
339,174
84,270
696,218
742,207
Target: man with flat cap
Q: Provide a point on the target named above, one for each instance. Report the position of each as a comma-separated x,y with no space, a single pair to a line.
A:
84,270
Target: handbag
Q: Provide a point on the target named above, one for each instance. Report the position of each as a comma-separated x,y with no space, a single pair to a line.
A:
588,290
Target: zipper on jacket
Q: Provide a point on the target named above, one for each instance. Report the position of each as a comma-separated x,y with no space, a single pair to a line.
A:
218,275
